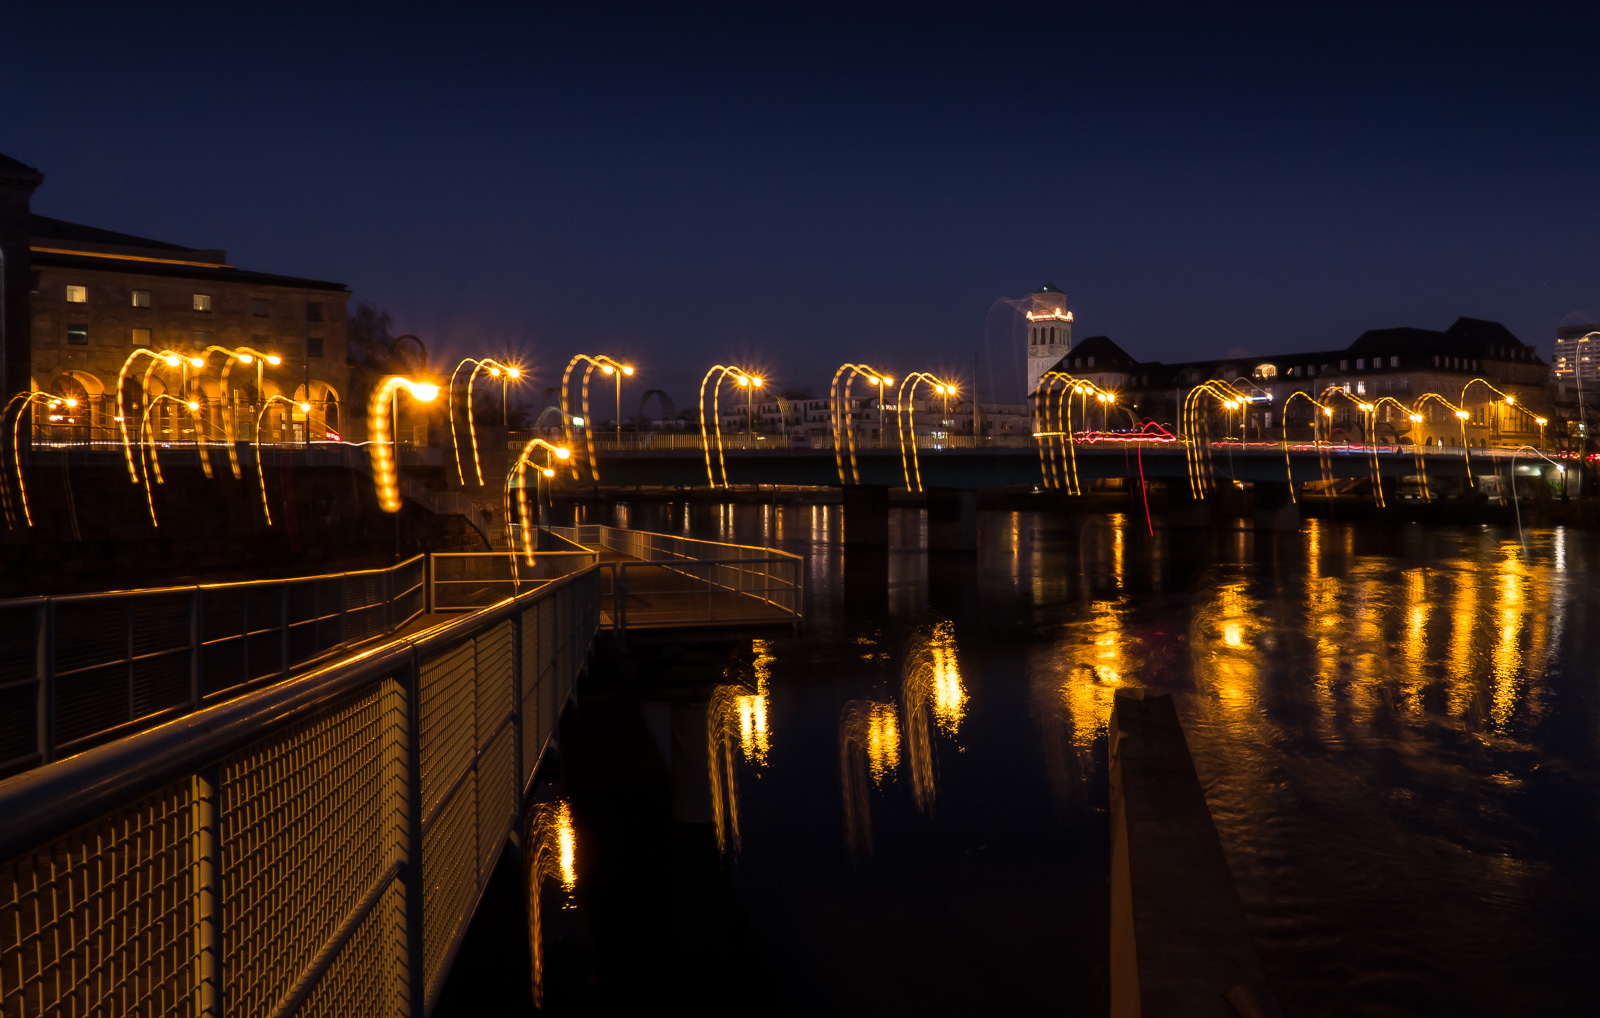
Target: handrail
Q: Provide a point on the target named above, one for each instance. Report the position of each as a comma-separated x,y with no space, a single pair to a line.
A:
186,789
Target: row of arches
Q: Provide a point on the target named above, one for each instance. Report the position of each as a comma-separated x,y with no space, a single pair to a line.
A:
89,409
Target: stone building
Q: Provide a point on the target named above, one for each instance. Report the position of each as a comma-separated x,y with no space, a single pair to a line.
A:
95,297
1389,369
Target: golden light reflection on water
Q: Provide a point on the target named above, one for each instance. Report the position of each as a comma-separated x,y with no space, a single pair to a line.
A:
930,687
869,753
552,855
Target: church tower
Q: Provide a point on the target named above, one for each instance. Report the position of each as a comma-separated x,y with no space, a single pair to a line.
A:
1049,332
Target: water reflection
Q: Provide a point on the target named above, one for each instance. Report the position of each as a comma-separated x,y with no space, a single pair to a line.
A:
869,753
736,716
552,856
930,690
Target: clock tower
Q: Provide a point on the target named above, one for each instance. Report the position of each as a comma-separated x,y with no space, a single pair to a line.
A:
1049,332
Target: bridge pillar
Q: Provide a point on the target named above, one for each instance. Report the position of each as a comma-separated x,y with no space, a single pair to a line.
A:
866,515
1184,511
691,782
1275,507
952,520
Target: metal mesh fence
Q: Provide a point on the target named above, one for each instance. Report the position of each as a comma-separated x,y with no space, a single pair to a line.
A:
102,921
283,874
308,819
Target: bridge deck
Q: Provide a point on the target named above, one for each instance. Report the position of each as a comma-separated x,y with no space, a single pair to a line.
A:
661,596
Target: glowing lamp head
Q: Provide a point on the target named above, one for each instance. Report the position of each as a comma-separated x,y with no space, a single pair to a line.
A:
744,381
172,360
192,405
1416,418
548,472
1511,400
197,362
1327,411
425,393
577,422
627,369
514,372
494,372
756,381
245,358
1462,414
1541,421
887,380
608,369
562,452
274,359
71,401
305,408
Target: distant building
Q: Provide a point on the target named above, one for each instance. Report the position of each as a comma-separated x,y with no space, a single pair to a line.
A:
1049,331
1402,364
93,296
1576,360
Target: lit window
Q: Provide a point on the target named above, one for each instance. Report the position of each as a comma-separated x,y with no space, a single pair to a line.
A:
260,307
1091,360
313,311
314,346
1361,363
141,298
141,337
77,295
78,335
1344,365
202,302
1394,362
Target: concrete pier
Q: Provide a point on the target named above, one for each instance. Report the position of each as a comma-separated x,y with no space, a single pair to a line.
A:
1180,945
866,515
952,520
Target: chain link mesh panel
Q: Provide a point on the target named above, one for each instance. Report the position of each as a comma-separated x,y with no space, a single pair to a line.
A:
309,818
102,922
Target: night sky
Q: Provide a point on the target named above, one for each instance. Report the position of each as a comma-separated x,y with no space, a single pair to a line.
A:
788,187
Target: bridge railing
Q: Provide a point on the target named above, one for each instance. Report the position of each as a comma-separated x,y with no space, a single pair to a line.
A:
466,581
78,669
658,441
314,847
695,572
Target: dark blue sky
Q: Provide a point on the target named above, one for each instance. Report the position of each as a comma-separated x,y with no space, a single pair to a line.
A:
793,186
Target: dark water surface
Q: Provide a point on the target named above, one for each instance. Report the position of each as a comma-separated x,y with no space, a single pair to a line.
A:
904,811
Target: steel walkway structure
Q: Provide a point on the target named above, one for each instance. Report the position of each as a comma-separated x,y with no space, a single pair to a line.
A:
309,833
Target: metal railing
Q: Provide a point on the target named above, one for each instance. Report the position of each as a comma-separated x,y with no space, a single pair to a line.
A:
315,847
465,581
82,668
660,441
685,581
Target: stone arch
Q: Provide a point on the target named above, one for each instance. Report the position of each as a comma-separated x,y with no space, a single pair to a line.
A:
325,406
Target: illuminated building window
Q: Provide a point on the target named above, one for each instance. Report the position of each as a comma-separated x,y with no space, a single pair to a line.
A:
1091,360
313,311
77,295
314,346
202,302
1394,362
260,307
141,298
1344,365
78,335
1361,363
141,337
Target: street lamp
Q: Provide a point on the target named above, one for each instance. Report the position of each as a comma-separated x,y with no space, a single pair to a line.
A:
609,366
750,383
746,380
385,401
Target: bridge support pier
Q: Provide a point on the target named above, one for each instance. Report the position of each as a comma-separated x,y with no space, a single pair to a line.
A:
1275,507
1184,511
952,520
866,515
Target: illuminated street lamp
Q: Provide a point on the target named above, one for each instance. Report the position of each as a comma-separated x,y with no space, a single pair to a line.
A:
384,403
519,471
750,383
880,381
607,365
746,380
504,372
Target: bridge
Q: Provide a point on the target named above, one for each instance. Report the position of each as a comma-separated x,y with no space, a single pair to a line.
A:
287,797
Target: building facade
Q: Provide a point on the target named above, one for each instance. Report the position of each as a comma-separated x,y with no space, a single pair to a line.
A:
1049,331
1391,370
96,298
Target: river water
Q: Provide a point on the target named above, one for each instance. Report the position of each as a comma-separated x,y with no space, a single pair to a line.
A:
1397,729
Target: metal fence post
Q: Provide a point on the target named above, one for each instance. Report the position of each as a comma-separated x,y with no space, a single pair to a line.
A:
431,577
416,965
45,672
207,884
283,619
196,663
